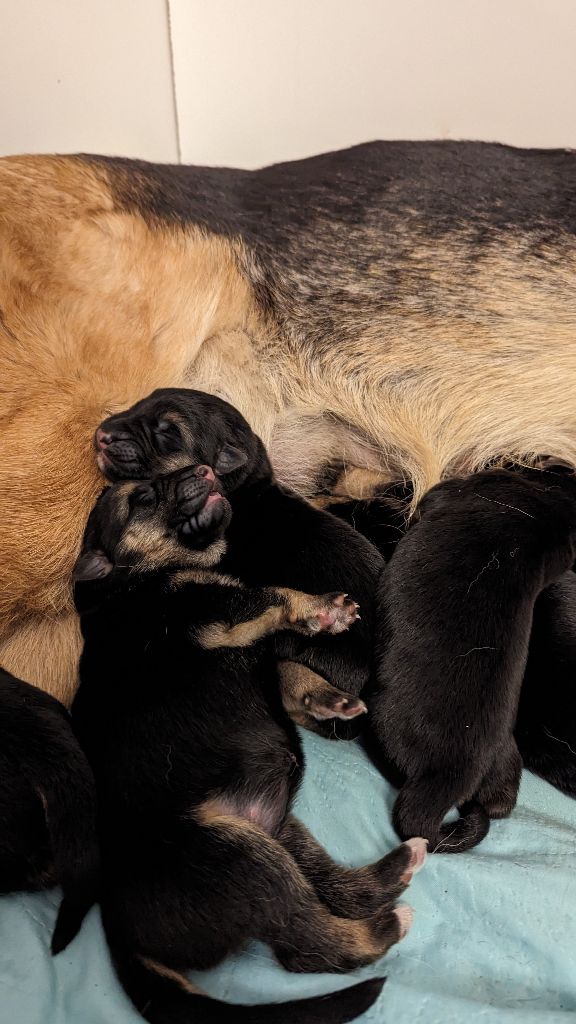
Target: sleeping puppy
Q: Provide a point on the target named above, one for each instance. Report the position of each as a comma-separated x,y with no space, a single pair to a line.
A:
456,604
197,764
275,537
47,800
545,731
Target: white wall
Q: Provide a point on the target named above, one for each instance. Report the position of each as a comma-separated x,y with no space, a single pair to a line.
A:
86,76
264,80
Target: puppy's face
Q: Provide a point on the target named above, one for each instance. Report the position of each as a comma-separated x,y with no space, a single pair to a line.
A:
178,519
173,428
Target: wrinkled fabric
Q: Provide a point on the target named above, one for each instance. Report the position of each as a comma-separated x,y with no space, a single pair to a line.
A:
493,939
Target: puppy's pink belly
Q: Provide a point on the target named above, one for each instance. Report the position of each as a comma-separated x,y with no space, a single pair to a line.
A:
266,810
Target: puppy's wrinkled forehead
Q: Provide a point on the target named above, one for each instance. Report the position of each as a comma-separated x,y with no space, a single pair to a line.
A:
136,521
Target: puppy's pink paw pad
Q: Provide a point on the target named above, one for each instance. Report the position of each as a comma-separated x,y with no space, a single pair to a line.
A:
338,615
419,852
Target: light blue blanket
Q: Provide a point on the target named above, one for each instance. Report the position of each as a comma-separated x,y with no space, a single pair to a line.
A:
493,941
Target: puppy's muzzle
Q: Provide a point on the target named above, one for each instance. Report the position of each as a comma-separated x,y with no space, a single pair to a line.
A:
194,489
201,505
117,451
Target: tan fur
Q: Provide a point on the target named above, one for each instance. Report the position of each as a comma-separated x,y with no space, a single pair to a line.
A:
296,682
98,309
167,972
447,394
298,605
201,576
150,547
45,651
220,634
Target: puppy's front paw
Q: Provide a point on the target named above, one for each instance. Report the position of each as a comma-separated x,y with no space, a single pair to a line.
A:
323,613
335,614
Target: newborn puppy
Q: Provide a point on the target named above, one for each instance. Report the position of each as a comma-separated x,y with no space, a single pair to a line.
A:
197,764
47,800
456,604
546,726
275,537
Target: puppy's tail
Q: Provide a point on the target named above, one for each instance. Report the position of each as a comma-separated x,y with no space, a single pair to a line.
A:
165,996
419,811
70,804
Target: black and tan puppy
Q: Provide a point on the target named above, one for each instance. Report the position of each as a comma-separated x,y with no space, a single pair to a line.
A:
275,537
47,800
456,604
197,763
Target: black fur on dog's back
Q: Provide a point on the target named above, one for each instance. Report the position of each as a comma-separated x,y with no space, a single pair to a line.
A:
457,602
47,803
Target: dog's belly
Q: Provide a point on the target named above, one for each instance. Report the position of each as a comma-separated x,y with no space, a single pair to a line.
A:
267,810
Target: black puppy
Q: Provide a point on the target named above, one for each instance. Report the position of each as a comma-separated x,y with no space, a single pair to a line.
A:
545,731
197,764
275,537
47,801
456,605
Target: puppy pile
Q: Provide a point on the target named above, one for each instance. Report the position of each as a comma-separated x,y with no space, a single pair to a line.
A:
217,610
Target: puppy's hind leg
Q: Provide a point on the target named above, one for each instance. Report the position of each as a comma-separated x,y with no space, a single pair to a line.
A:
353,892
422,805
283,909
307,697
498,791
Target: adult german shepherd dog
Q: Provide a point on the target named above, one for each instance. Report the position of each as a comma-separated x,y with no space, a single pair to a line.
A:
393,311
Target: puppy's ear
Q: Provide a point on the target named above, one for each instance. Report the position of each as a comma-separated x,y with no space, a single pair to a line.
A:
229,459
91,565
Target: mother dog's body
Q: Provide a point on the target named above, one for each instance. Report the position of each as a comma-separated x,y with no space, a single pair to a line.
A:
397,309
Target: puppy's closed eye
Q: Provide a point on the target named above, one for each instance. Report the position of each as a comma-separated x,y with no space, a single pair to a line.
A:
163,427
228,459
143,496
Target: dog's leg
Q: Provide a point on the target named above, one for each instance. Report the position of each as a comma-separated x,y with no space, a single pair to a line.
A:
352,892
423,803
308,698
313,613
288,914
498,791
249,615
